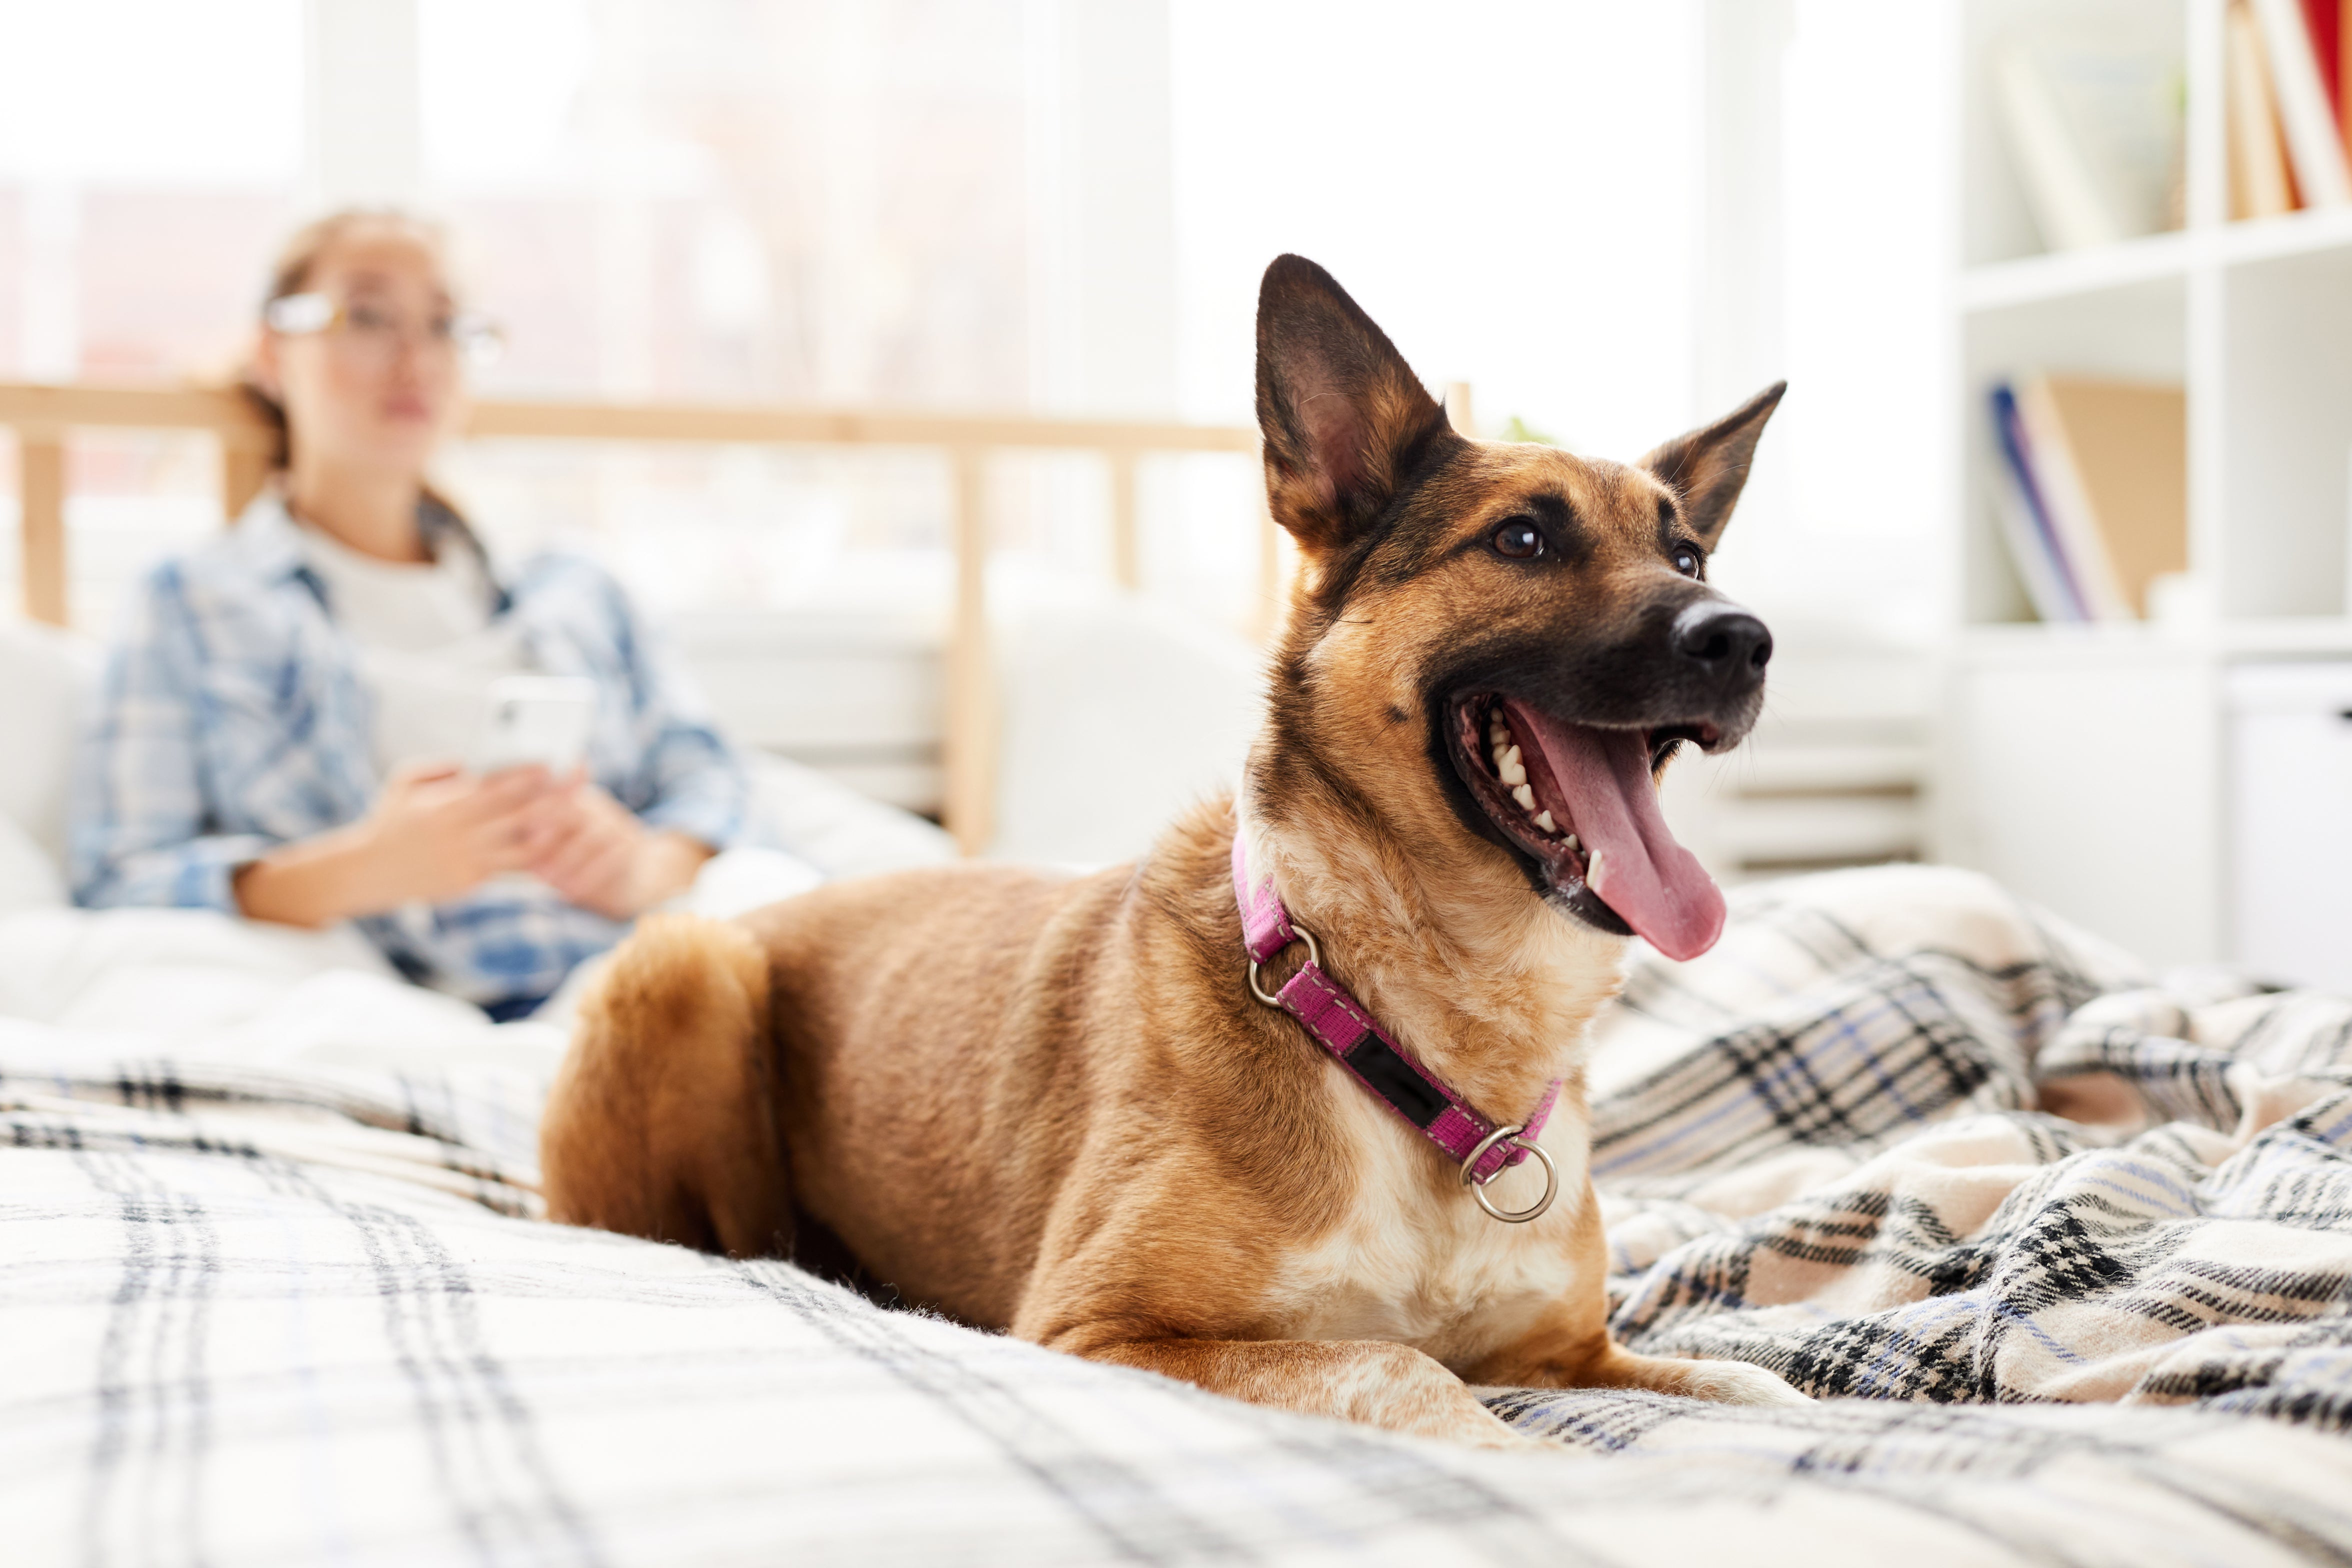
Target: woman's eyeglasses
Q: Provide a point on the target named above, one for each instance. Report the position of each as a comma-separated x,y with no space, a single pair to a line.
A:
380,330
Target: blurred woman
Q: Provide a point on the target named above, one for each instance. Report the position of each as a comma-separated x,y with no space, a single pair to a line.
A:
286,720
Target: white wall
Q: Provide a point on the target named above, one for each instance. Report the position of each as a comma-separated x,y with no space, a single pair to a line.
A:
79,108
1614,221
1507,187
1102,212
363,146
1827,230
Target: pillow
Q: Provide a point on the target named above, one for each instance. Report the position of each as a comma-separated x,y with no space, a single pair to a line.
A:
29,878
1117,713
47,678
836,829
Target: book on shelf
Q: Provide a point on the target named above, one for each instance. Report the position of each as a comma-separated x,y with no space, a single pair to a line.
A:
2096,128
2338,44
2307,109
2324,20
2025,520
2096,487
2261,184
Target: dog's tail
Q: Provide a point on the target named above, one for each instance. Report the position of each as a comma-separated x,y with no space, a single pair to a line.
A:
662,1120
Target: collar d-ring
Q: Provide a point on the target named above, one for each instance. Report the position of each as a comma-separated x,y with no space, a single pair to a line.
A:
1478,1188
1314,956
1342,1026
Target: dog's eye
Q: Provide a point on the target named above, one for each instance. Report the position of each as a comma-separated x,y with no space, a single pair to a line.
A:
1686,559
1519,540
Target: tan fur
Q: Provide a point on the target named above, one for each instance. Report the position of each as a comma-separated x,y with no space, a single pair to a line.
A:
1049,1104
695,1108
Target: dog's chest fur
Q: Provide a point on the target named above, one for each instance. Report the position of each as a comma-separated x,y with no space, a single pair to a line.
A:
1414,1258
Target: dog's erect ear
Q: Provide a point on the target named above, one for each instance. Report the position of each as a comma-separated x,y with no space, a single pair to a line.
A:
1345,419
1708,466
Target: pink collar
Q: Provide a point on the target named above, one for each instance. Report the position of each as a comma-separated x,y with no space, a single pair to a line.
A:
1484,1149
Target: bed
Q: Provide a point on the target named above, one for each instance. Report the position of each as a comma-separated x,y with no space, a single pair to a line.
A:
2063,1248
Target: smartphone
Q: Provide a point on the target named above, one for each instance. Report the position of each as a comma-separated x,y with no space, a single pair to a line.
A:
542,719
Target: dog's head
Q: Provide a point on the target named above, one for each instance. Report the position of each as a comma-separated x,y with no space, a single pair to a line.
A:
1501,644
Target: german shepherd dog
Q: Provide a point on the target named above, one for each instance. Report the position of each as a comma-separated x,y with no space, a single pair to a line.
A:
1051,1104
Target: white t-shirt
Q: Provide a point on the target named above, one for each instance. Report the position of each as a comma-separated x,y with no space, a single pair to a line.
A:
429,644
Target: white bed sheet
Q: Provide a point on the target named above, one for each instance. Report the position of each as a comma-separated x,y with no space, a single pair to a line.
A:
293,1306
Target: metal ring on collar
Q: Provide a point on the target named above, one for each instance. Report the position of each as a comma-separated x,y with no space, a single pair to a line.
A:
1314,956
1478,1188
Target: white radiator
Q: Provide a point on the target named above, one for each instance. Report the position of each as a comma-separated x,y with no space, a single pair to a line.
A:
855,695
1835,773
1096,734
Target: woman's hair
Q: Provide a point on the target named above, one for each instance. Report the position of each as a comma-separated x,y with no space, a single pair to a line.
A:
290,274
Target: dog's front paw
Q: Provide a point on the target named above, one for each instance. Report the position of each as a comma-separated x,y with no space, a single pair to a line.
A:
1741,1383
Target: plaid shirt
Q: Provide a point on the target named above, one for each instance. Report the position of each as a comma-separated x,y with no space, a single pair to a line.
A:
233,718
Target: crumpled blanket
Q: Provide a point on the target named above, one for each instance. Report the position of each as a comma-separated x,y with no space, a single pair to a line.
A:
1901,1138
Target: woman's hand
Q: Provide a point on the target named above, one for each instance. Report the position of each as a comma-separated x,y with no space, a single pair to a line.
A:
593,850
435,832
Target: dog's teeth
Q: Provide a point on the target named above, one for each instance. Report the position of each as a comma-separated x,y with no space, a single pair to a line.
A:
1592,868
1514,772
1572,844
1526,795
1543,820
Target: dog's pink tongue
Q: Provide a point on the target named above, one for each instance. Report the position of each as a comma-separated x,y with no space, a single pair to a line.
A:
1656,885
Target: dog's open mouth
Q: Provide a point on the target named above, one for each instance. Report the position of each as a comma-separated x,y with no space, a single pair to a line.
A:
1583,802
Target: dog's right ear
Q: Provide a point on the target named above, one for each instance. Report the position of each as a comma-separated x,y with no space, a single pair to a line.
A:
1344,417
1708,467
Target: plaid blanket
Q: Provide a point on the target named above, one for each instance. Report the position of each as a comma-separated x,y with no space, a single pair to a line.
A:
2062,1248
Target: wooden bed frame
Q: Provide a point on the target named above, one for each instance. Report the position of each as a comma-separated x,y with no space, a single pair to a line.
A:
42,417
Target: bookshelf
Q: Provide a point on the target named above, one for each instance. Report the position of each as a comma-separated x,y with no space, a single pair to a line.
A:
2101,769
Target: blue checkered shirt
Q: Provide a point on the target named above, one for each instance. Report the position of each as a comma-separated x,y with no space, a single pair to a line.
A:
234,718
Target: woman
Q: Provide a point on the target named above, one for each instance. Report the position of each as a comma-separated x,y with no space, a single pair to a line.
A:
285,724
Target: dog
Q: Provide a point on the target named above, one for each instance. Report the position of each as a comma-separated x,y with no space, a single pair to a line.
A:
1075,1107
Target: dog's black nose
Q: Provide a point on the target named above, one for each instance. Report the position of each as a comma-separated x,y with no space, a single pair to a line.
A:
1729,642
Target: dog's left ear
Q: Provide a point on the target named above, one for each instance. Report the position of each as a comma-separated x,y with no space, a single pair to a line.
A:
1344,417
1708,466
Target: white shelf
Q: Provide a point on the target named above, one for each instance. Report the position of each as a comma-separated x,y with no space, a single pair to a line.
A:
2088,767
2070,274
2065,274
2267,637
2274,238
